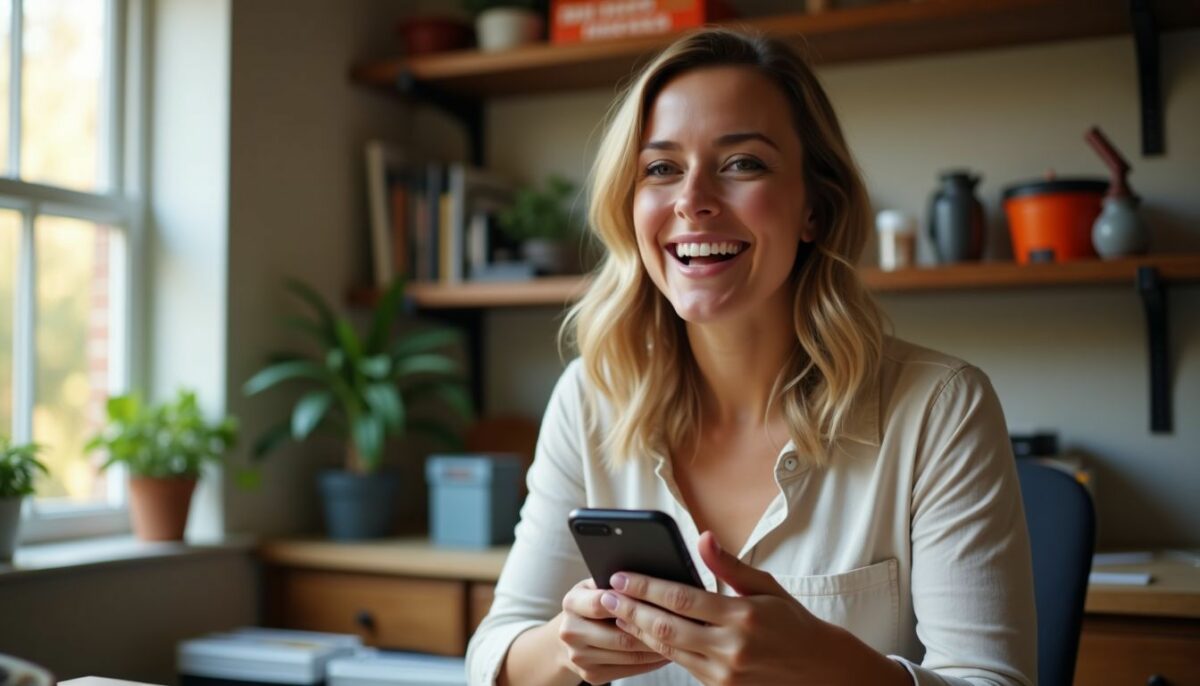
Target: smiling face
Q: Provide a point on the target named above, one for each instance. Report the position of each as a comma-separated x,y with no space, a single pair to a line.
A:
720,205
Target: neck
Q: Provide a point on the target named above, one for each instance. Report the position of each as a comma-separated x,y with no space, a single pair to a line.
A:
739,362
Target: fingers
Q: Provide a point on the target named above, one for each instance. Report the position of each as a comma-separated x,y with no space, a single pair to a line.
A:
584,600
674,637
741,577
680,599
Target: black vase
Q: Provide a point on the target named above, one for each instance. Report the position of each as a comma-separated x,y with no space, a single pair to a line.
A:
359,506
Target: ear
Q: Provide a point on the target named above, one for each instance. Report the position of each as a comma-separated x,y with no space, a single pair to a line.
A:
808,234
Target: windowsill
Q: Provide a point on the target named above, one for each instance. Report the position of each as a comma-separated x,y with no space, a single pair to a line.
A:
39,560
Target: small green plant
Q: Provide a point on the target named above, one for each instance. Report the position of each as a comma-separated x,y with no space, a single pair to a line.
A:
362,388
19,466
171,439
540,213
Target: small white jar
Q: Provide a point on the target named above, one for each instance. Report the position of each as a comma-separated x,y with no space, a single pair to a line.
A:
897,231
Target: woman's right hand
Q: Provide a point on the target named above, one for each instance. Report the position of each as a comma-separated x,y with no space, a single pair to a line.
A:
594,647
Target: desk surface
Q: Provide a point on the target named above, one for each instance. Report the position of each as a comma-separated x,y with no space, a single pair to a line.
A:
1174,591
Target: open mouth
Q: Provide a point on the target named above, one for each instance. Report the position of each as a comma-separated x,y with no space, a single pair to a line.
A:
706,253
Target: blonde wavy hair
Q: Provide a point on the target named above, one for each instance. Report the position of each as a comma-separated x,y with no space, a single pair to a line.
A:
635,348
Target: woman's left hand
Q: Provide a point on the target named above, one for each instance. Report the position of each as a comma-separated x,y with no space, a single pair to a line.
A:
763,637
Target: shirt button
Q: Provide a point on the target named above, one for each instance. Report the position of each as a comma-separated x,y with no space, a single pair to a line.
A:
790,464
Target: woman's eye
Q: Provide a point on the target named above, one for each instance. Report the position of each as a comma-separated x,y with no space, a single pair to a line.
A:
658,169
746,164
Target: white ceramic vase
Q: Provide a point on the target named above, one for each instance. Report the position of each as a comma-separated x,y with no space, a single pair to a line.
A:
504,28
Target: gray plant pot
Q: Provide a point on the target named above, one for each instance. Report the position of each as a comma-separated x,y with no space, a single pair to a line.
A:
549,257
359,506
10,519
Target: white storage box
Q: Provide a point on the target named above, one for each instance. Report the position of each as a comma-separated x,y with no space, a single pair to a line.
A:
387,668
261,656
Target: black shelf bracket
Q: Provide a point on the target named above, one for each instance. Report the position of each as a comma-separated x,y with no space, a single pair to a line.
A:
468,111
1145,36
1154,301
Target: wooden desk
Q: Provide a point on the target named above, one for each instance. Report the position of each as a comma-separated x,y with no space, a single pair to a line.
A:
403,594
407,594
1132,634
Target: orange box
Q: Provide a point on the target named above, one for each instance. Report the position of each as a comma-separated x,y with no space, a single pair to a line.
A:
581,21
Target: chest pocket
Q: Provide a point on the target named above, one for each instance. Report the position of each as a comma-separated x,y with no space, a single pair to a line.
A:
864,601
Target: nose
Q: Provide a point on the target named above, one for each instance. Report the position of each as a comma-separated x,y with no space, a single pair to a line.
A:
696,199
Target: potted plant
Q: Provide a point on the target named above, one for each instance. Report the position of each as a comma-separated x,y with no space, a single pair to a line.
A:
360,392
164,446
541,222
18,468
504,24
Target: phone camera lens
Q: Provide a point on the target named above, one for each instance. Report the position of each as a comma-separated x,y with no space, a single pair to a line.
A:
590,529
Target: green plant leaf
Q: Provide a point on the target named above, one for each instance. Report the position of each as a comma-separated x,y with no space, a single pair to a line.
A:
385,402
368,440
437,431
284,371
426,341
386,311
351,346
248,478
314,300
453,394
123,408
376,367
429,363
271,439
321,336
309,412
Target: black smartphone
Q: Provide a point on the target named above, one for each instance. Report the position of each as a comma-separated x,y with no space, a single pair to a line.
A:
640,541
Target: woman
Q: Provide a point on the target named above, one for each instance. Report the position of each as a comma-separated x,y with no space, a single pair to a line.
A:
857,495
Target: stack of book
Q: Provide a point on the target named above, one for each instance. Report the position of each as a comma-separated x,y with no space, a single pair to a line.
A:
437,221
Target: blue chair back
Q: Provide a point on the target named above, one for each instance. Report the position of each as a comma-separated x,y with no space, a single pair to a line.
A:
1062,533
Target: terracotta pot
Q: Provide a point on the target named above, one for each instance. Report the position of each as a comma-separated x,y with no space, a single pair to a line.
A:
160,506
422,35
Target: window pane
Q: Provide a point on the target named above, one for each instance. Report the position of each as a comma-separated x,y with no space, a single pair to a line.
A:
73,346
62,67
5,68
10,228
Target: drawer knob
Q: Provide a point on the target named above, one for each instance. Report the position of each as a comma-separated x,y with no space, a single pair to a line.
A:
364,619
1158,680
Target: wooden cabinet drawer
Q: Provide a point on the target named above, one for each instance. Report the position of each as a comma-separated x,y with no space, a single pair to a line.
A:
1128,651
388,612
480,602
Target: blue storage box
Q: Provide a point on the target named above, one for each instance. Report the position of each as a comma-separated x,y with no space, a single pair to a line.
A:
473,499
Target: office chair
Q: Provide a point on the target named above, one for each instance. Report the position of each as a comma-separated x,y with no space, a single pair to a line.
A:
1062,525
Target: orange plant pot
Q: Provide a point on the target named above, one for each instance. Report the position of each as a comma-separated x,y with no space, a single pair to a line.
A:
160,507
1051,221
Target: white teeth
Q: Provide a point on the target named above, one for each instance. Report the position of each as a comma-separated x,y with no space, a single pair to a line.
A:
706,249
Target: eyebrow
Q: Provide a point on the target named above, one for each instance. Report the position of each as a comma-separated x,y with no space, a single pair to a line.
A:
722,141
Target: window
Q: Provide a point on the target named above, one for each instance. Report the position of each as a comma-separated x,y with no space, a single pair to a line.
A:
69,224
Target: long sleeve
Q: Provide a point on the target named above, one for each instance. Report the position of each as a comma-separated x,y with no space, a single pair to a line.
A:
544,562
969,541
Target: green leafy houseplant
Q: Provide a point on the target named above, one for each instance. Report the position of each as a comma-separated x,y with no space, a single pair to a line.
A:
361,388
171,439
19,467
539,213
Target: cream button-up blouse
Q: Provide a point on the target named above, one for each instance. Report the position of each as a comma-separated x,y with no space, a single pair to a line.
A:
913,538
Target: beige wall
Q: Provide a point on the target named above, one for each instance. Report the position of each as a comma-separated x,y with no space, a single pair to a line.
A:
1069,359
296,208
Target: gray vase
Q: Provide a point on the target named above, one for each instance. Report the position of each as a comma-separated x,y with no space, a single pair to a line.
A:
956,218
549,257
1118,231
359,506
10,520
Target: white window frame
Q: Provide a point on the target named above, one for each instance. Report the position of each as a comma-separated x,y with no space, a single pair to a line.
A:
122,207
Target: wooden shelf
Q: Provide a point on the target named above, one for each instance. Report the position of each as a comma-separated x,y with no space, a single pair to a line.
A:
890,29
561,290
